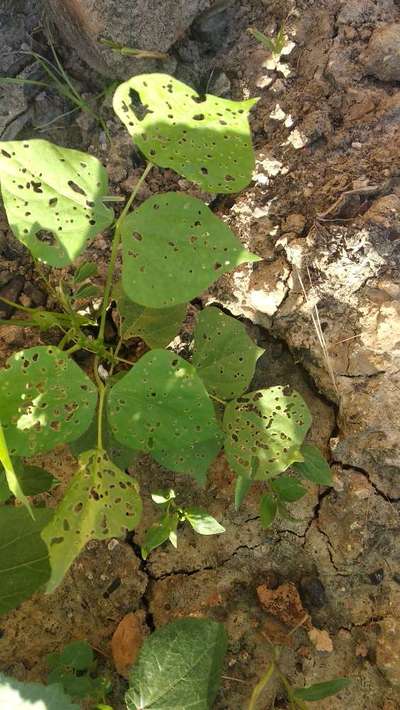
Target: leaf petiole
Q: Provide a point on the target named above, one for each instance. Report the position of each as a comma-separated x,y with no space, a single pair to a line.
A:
114,250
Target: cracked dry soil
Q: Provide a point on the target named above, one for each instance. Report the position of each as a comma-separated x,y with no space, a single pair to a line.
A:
324,206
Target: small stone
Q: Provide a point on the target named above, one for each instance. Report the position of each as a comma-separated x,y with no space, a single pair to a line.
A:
312,593
356,145
25,300
11,291
382,56
377,576
284,603
36,296
321,640
294,223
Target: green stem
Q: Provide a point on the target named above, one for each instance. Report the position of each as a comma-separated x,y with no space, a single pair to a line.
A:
287,686
102,395
217,399
114,250
264,680
73,349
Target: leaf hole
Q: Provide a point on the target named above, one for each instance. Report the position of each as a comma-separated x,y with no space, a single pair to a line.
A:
76,187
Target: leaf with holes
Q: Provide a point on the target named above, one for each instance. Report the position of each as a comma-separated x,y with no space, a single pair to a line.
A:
101,502
15,695
174,248
162,407
156,326
224,355
314,467
179,667
204,138
24,560
53,198
45,400
264,431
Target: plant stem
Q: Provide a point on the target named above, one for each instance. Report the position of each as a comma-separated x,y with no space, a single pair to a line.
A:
114,250
73,349
264,680
102,395
217,399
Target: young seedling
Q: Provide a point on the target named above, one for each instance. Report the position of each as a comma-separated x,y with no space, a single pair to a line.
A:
180,411
166,527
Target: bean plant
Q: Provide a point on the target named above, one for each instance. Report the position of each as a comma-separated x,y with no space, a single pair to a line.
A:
181,411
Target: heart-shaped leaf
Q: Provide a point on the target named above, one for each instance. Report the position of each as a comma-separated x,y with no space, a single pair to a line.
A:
156,326
179,667
15,695
204,138
101,502
45,400
53,198
24,560
162,407
224,355
174,248
264,431
314,467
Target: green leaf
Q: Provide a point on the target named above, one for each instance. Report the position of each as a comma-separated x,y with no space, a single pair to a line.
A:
53,198
268,510
159,533
242,487
174,248
314,467
77,655
224,355
161,407
288,489
24,562
75,686
10,474
264,431
101,502
156,326
15,695
162,497
202,522
86,291
179,667
319,691
5,493
85,271
204,138
45,400
34,479
122,456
